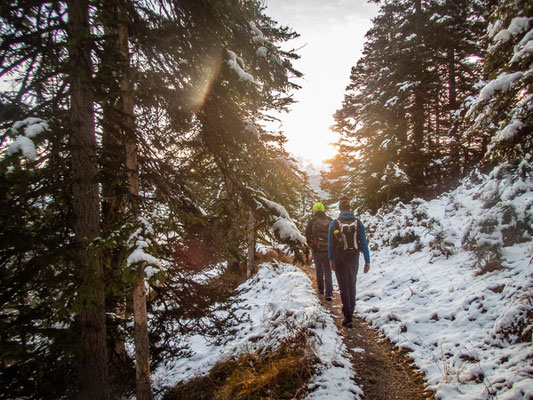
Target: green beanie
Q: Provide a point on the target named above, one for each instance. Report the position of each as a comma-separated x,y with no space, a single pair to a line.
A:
318,207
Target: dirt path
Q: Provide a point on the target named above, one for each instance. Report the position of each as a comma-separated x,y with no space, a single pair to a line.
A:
382,370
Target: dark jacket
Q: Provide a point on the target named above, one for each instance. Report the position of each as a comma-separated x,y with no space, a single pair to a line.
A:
309,228
348,216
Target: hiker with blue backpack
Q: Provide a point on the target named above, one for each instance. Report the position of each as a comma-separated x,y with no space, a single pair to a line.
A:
316,234
346,239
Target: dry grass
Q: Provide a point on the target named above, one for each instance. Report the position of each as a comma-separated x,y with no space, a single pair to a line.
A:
271,255
489,266
280,373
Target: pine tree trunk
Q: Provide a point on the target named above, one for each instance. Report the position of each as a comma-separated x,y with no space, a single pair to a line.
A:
419,102
142,344
116,120
251,244
93,371
121,137
418,118
452,79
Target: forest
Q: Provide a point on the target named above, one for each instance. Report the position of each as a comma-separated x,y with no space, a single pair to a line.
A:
145,188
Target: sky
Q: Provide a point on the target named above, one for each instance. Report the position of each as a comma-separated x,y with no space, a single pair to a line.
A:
332,35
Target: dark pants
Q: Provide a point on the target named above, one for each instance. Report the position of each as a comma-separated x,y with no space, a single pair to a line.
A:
323,272
346,266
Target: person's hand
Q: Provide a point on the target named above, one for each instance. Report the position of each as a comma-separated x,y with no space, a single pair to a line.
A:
367,268
332,265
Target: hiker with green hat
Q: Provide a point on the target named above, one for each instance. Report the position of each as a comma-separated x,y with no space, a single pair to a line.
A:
317,238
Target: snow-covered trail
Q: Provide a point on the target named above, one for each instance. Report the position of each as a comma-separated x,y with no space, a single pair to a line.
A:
381,370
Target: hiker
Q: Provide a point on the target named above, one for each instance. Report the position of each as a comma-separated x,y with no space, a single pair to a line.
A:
346,239
317,238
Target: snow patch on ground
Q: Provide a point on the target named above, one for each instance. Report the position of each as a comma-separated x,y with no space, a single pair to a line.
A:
277,296
426,293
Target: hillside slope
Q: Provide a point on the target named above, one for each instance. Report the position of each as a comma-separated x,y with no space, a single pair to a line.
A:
275,303
452,281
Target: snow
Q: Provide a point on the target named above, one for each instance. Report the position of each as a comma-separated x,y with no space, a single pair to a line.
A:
262,51
249,126
139,255
524,47
24,145
258,36
403,86
287,230
278,297
424,294
527,38
139,243
391,102
493,29
282,224
32,127
237,65
503,82
467,331
277,208
518,25
510,130
503,36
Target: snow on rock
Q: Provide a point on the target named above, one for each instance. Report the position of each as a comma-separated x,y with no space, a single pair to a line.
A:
451,281
279,297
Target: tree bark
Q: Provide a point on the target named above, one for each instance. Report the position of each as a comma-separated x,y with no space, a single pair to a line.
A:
93,370
142,344
418,118
251,244
418,162
452,79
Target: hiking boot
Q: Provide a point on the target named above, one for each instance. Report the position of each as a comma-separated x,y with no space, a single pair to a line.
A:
347,323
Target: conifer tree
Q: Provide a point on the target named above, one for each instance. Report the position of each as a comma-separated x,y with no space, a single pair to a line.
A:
182,87
399,123
501,116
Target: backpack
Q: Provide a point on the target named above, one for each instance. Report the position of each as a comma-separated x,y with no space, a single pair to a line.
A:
346,235
319,233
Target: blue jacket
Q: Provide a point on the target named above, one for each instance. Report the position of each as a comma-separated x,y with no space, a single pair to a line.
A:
332,242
